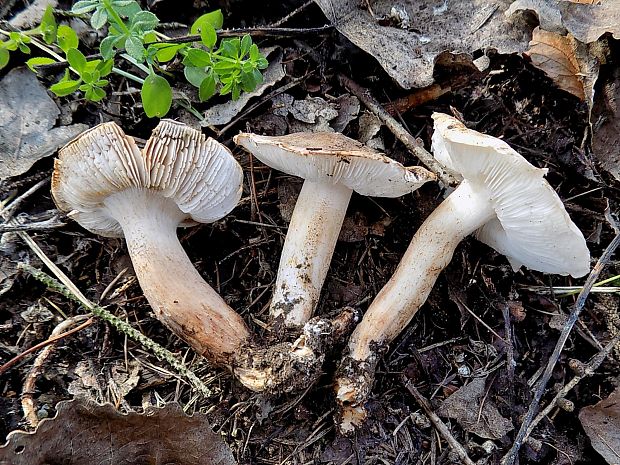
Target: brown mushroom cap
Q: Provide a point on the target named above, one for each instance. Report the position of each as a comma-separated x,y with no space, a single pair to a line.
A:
200,175
333,157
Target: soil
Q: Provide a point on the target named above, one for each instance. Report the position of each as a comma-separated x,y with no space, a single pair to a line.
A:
457,335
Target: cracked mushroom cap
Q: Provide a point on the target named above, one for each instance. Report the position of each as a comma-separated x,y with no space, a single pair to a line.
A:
332,157
532,227
200,175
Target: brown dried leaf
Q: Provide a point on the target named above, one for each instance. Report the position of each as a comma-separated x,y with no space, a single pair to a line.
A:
588,22
27,119
606,125
464,407
566,61
84,431
601,423
408,56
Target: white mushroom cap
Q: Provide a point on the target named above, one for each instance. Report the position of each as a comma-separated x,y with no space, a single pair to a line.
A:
200,175
332,157
532,227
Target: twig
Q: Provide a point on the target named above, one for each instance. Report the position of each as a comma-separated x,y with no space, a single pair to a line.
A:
7,212
439,425
446,177
510,457
584,371
59,332
72,293
295,12
55,336
52,223
510,353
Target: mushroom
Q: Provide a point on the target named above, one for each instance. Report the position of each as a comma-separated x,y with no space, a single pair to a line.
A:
113,189
333,166
505,202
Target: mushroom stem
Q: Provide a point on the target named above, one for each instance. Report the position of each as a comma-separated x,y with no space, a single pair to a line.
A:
308,248
179,296
429,252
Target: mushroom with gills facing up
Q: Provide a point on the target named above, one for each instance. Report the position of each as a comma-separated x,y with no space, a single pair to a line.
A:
112,188
505,202
333,166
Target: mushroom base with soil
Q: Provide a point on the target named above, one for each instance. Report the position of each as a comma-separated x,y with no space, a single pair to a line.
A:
286,367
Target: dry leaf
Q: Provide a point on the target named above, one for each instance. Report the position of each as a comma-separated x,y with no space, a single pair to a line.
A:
464,407
601,423
588,23
566,61
586,20
408,55
87,433
27,116
606,126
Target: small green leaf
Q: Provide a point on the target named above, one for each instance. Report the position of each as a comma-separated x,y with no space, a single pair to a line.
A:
102,83
106,47
135,48
230,48
10,45
99,18
48,25
144,21
105,67
166,52
194,75
66,38
149,38
76,59
246,44
262,63
36,61
197,57
64,88
94,94
208,36
207,87
156,96
225,67
4,56
24,48
215,19
254,52
127,9
84,6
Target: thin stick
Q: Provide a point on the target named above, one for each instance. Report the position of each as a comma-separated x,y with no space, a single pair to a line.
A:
160,352
511,456
28,405
55,337
444,175
440,426
588,370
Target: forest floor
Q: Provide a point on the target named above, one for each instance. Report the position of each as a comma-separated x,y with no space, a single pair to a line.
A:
460,335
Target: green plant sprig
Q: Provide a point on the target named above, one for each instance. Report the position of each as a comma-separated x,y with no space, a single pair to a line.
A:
230,68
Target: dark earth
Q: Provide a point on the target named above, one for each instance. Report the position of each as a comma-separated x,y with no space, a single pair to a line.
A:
457,335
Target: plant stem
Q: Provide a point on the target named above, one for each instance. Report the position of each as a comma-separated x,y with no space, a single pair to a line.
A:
120,72
114,15
160,352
